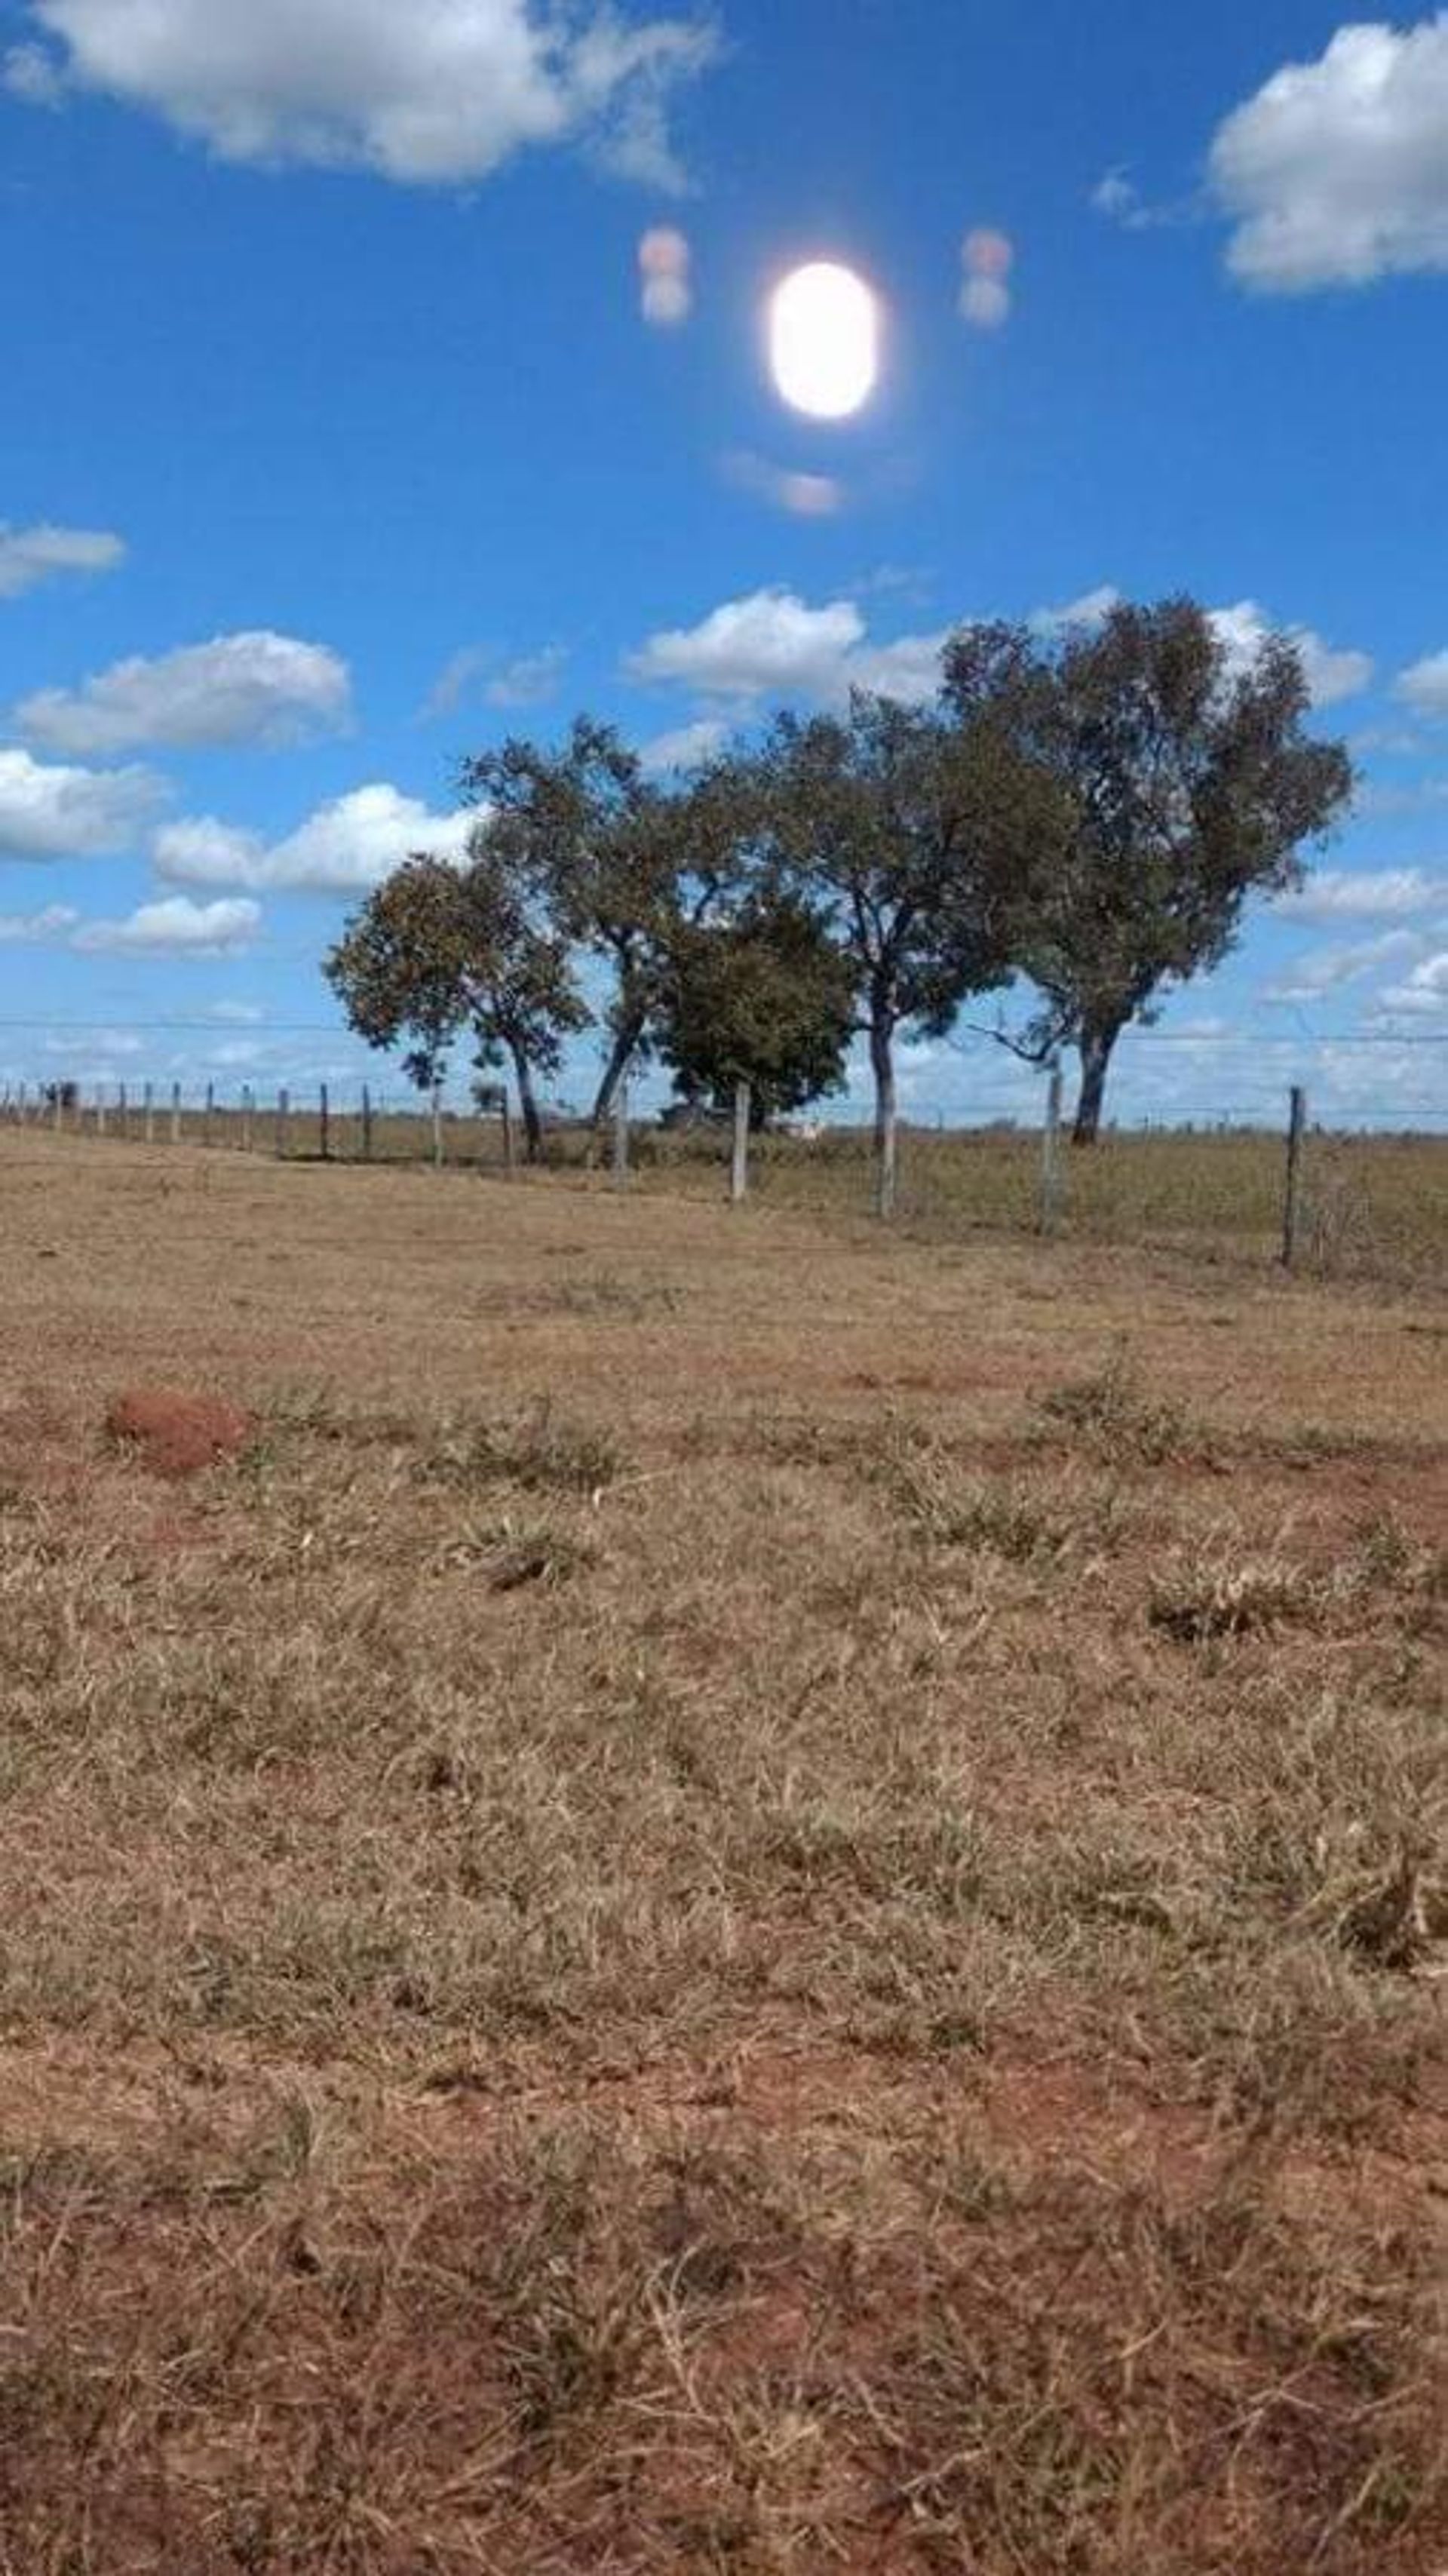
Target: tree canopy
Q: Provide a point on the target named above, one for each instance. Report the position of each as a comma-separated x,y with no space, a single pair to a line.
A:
438,949
764,998
1176,782
1085,813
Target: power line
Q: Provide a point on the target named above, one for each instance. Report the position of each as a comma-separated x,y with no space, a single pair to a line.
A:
983,1037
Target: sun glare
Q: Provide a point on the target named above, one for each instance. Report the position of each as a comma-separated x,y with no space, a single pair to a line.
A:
824,340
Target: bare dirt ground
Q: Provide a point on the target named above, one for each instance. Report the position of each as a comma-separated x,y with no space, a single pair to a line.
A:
740,1896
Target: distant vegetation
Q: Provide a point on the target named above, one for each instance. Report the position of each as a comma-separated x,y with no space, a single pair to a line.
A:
1086,814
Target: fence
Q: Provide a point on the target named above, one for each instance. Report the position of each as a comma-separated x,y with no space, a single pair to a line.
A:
1304,1197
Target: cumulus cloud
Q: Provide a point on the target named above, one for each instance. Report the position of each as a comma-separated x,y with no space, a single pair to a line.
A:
344,848
1324,970
1336,172
36,929
1089,610
1331,674
257,688
49,812
687,747
770,642
1424,686
1365,894
773,644
175,927
427,96
1424,994
29,556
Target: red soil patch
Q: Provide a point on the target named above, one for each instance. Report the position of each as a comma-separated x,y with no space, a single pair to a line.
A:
177,1435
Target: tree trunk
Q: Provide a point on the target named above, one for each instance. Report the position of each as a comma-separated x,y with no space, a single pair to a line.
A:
615,1069
528,1103
1094,1046
882,1065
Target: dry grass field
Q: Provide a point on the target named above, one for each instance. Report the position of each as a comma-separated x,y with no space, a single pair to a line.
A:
746,1896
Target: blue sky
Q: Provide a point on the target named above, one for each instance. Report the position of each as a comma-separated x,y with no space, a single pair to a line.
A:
337,443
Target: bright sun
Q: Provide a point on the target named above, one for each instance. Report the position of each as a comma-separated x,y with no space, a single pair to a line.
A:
824,340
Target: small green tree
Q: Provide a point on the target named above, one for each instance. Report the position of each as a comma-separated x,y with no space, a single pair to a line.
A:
438,949
621,861
1173,784
764,998
912,835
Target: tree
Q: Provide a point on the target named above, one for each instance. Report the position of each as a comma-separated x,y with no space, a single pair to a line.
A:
440,948
621,861
1176,782
764,998
912,835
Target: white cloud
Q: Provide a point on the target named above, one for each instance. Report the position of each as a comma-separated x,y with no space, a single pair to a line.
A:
344,848
62,813
1090,609
1324,970
29,556
28,929
1336,172
1424,687
175,927
244,1015
428,95
1365,894
1425,992
28,72
772,644
687,747
1331,674
908,669
250,688
527,680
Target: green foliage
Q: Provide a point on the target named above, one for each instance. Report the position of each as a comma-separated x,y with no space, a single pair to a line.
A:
439,949
765,998
625,864
1175,784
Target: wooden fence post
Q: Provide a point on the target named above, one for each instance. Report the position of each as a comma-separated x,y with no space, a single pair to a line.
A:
437,1126
505,1106
100,1109
739,1159
210,1113
148,1100
175,1113
620,1136
366,1124
281,1134
248,1103
325,1116
121,1109
1051,1155
1292,1197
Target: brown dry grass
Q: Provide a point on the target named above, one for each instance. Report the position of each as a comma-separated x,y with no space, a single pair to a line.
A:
749,1898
